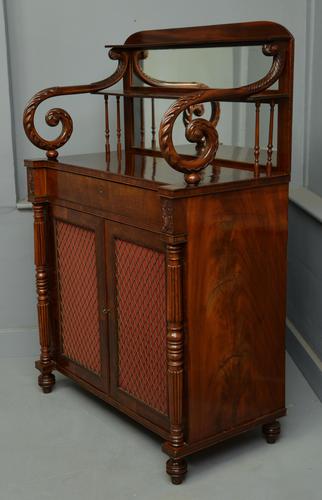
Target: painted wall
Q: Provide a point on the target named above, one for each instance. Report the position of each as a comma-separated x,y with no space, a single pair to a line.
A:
17,296
305,276
7,179
304,327
314,103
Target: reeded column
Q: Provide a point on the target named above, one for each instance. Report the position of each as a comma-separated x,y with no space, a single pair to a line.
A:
176,468
45,364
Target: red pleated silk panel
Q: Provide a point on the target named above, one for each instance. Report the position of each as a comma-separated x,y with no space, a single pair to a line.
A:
78,290
141,315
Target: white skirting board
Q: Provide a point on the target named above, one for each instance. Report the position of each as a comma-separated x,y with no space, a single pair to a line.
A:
305,358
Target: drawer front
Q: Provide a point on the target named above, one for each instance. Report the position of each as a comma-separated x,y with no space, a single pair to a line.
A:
137,302
131,204
82,328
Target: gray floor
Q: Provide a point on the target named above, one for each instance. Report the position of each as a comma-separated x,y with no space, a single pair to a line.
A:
70,446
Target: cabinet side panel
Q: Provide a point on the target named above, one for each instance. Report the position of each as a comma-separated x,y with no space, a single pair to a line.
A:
141,317
78,295
236,287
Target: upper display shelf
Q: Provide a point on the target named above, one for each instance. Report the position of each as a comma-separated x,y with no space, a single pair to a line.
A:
268,96
253,33
265,88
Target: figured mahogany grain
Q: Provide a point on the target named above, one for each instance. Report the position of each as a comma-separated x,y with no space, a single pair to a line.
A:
236,277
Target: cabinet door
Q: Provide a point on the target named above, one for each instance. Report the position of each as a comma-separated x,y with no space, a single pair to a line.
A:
136,270
81,331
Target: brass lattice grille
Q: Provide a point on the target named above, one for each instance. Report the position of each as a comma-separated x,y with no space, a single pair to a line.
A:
141,313
78,295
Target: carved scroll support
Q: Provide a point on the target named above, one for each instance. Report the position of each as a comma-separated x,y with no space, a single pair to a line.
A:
199,131
45,364
57,116
176,468
198,111
203,132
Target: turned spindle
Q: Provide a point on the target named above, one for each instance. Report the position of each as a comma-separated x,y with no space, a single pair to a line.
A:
118,132
154,167
107,132
153,141
142,129
270,139
256,148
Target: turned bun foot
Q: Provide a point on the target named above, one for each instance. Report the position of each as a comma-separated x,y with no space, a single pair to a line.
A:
177,469
272,431
46,382
46,379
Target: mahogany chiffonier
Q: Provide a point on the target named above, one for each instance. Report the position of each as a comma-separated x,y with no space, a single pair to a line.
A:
161,270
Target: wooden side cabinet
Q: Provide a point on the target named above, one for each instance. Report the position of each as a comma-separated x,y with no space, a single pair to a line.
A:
162,290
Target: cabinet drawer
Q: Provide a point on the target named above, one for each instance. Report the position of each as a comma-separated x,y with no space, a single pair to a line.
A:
135,205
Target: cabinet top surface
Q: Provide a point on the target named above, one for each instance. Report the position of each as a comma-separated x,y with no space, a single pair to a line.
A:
153,172
220,34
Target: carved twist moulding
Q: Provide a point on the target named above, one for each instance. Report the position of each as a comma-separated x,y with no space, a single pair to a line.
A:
201,130
151,261
58,116
198,110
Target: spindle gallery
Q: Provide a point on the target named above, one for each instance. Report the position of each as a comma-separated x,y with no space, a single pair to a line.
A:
161,269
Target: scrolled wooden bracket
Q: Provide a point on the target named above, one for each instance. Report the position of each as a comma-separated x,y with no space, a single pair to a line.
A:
198,130
202,131
58,116
198,110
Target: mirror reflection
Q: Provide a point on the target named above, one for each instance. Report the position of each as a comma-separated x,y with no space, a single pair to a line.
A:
219,67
